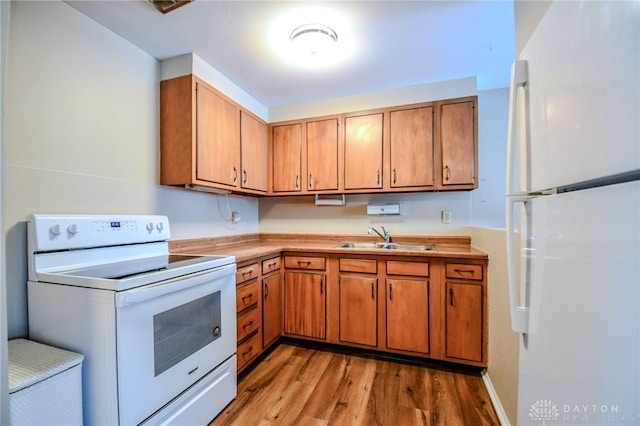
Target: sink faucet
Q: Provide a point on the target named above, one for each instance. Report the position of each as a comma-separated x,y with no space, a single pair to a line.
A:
386,236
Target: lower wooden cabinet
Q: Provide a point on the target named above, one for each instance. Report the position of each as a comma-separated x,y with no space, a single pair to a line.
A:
271,308
305,304
465,307
258,307
248,350
431,308
407,303
358,310
249,318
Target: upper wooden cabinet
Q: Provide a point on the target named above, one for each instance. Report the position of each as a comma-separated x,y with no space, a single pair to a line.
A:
363,145
217,138
209,140
253,143
304,156
200,139
322,155
430,146
458,144
286,158
411,147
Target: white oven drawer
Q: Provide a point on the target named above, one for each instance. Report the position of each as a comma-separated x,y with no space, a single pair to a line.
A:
204,401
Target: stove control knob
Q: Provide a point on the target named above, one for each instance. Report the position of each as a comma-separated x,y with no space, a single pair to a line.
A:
72,229
55,229
160,226
150,226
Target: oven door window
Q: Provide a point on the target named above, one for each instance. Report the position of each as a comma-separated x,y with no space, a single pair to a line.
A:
184,330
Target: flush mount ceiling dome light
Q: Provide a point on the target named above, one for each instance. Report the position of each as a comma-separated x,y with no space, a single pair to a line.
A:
313,39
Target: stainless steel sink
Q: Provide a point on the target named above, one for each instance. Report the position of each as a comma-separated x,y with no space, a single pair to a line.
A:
388,246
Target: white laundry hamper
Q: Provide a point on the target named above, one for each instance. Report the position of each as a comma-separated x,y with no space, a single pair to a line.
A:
45,384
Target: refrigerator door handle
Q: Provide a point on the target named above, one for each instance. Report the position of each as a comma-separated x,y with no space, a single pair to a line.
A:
519,78
519,313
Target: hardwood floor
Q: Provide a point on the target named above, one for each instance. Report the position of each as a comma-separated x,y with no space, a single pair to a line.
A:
297,385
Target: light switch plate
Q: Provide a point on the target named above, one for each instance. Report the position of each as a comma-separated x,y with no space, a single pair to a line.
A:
446,216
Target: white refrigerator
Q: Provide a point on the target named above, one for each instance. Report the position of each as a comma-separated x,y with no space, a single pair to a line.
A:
573,192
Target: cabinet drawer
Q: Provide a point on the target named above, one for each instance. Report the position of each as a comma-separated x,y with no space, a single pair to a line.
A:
368,266
247,272
247,323
246,296
304,262
270,265
464,271
399,267
249,349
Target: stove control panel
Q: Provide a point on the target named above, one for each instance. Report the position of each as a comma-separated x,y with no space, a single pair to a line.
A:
64,232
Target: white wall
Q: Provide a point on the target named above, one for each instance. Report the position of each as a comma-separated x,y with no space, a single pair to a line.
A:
82,136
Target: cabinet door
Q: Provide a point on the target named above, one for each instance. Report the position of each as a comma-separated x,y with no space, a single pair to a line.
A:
253,146
287,160
322,155
358,310
411,140
271,308
363,152
464,321
217,138
304,304
408,315
458,139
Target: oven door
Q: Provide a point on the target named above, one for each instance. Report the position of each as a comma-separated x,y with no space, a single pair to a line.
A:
169,335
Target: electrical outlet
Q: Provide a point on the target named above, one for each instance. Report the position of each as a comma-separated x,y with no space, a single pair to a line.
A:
446,216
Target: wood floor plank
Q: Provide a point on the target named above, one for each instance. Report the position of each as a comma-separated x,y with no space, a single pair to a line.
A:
475,403
353,392
385,391
302,386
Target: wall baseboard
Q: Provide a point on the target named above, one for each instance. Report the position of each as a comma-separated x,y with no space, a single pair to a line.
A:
495,400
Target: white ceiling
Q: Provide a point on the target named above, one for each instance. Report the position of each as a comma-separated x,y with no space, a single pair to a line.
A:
394,43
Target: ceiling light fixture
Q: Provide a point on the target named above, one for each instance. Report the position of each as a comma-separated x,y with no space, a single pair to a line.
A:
313,39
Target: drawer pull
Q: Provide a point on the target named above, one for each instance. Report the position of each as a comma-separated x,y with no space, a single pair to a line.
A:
248,325
247,297
306,264
244,274
248,351
464,271
272,265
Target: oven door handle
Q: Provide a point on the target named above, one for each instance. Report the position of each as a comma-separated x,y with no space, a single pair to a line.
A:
152,291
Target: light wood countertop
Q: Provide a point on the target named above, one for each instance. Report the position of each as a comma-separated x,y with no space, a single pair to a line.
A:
252,246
